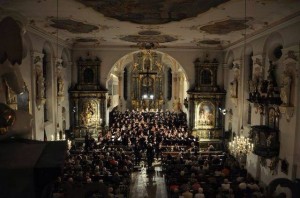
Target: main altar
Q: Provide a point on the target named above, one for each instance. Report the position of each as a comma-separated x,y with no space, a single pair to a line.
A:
147,82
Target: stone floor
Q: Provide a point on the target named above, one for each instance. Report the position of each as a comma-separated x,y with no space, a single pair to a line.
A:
148,185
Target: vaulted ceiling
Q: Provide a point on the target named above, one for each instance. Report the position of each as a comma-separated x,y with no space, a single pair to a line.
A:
167,23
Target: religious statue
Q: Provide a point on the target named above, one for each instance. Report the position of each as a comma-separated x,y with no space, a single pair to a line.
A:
233,89
40,80
285,90
60,86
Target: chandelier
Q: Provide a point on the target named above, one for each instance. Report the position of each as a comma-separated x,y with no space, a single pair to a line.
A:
240,145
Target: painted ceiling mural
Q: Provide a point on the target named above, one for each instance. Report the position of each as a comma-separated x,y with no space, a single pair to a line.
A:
151,11
73,26
223,27
169,23
85,40
149,36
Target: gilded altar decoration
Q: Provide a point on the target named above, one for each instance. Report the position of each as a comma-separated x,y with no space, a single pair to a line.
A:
147,81
89,114
204,102
88,98
206,115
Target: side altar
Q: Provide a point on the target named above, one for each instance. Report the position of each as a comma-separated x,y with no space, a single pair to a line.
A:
204,103
88,99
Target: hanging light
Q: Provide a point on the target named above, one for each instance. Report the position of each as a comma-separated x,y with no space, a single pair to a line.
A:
241,145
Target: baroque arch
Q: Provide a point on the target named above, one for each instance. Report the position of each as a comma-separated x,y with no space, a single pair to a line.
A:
130,73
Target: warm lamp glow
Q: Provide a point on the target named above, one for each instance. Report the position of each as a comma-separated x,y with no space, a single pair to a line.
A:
240,145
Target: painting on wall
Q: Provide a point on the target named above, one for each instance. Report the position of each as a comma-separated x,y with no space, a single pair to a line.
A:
89,113
206,115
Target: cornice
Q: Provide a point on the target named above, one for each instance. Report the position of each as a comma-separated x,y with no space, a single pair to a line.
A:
47,36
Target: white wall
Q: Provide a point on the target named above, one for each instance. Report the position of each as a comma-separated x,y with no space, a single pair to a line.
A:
289,139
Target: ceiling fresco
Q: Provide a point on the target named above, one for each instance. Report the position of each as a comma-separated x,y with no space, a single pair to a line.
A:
73,26
154,36
170,23
151,12
85,40
225,27
149,32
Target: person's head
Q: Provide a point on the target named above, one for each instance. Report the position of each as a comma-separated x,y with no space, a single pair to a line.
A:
200,190
70,179
110,189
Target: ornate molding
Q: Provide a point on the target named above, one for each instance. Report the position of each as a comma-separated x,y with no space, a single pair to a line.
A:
258,68
60,80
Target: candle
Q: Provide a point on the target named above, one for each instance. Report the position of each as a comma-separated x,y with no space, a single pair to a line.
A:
52,137
64,137
57,136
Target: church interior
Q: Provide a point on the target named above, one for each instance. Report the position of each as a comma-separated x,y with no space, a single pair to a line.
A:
131,98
